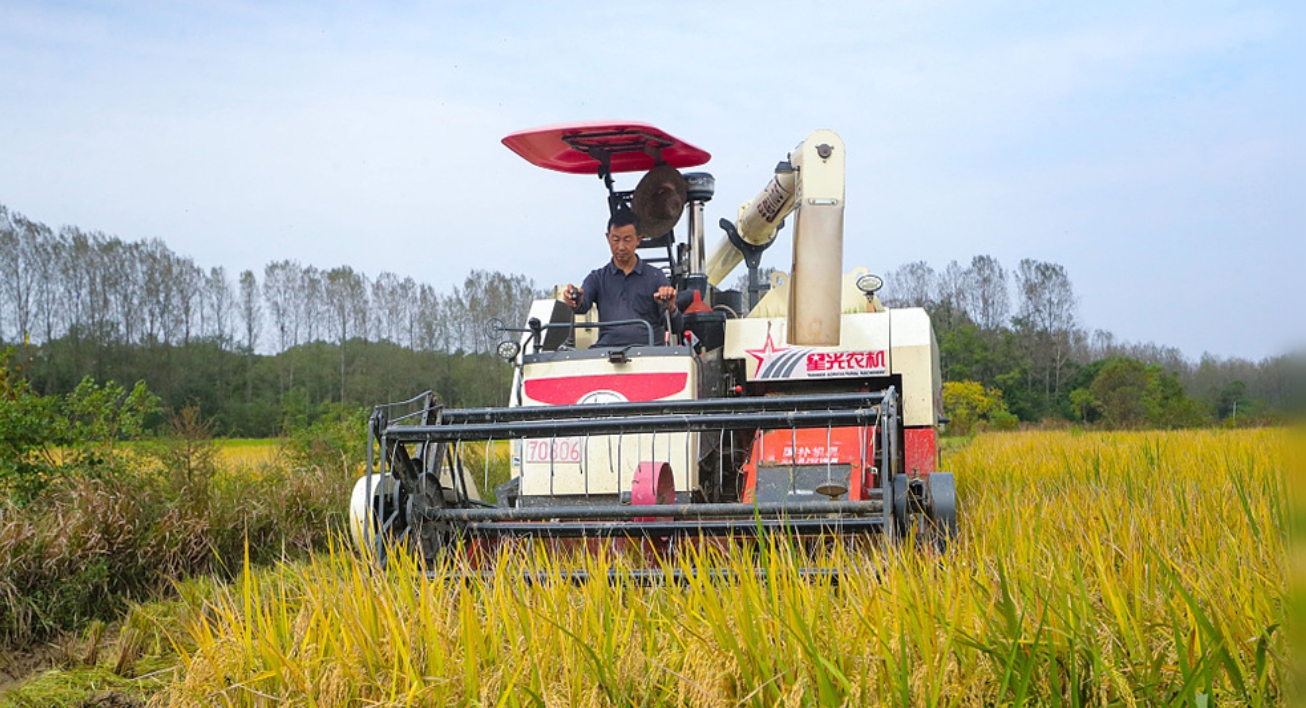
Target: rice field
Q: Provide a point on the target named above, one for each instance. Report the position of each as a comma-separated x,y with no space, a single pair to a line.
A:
232,453
246,452
1092,569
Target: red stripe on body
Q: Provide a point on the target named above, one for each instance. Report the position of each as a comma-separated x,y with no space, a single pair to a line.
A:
567,390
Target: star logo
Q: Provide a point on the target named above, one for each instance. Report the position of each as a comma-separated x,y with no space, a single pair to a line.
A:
765,354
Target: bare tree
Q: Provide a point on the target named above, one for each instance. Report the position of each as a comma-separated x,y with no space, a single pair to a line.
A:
1104,345
97,290
9,252
123,272
251,310
48,295
455,318
219,306
388,307
1046,319
16,274
431,328
990,300
188,282
951,299
278,294
408,311
911,285
485,296
90,255
72,268
346,304
345,293
279,283
251,315
1048,300
159,290
309,309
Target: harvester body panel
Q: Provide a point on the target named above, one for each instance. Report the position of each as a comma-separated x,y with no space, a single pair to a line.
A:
897,343
603,464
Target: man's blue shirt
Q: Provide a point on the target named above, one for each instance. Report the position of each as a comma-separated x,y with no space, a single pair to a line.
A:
626,296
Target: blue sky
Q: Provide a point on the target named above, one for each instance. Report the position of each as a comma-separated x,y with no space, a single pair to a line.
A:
1154,149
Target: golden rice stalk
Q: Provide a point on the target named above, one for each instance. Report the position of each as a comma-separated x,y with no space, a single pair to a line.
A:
1092,569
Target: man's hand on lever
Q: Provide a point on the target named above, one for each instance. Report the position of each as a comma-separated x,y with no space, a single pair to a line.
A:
667,296
572,295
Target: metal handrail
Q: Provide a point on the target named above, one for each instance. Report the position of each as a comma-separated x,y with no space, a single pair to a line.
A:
535,330
700,406
633,424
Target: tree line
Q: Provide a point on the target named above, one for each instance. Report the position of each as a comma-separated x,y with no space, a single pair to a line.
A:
1017,331
256,348
249,348
100,287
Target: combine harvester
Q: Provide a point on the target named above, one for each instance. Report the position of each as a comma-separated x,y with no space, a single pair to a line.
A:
802,406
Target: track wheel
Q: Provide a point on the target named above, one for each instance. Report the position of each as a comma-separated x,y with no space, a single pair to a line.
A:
926,509
901,508
942,517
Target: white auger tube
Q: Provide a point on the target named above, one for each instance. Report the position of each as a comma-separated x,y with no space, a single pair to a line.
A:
816,282
758,220
811,185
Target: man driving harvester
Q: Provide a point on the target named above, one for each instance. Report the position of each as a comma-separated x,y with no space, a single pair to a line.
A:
626,288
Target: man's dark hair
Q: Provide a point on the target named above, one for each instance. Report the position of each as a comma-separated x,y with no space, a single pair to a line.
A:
623,217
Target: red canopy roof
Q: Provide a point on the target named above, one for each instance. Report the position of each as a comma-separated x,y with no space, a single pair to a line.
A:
572,147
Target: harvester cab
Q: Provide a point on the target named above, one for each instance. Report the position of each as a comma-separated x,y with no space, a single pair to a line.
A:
805,408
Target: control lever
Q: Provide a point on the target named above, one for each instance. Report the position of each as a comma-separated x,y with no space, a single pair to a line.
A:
666,316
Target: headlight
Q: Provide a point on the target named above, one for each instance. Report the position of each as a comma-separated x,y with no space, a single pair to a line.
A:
870,284
509,349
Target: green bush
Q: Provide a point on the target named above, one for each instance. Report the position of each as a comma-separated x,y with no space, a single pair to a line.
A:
46,437
336,439
973,406
87,526
1127,393
29,440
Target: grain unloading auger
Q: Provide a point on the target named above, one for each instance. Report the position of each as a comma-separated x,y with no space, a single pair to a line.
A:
802,407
